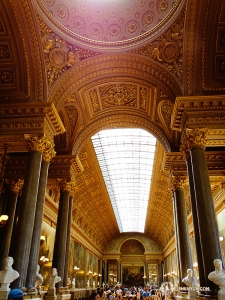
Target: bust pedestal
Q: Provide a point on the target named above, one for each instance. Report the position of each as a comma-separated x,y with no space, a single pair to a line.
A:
191,294
4,295
4,291
221,293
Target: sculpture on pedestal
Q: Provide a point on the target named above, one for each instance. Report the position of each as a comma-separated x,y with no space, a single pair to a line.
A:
53,278
218,277
39,278
8,274
190,280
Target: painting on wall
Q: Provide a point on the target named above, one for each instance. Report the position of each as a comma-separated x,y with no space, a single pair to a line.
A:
133,275
79,261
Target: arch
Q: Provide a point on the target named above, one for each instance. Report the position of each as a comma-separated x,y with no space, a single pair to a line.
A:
126,65
120,119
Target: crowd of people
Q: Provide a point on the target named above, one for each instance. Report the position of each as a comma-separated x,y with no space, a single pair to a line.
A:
133,293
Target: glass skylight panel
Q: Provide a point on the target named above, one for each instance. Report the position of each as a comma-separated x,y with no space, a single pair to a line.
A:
126,160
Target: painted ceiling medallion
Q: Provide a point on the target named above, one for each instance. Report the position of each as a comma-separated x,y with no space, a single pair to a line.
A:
108,24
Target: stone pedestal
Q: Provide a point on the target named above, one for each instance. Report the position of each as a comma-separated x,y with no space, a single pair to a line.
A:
51,294
191,295
4,294
31,296
221,293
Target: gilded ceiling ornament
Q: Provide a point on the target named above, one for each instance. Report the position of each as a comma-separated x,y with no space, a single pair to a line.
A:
163,5
118,94
143,98
72,114
59,56
7,77
166,110
94,100
168,48
194,137
178,182
4,52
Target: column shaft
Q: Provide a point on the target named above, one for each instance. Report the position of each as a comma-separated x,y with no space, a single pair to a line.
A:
35,244
177,243
67,256
208,229
24,228
182,232
61,236
202,279
105,272
6,231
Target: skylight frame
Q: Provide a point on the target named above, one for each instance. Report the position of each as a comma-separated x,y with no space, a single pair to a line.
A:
126,159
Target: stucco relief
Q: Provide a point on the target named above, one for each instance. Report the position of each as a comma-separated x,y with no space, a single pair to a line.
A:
115,244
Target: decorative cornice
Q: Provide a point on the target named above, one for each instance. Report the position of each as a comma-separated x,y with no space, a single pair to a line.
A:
198,111
37,118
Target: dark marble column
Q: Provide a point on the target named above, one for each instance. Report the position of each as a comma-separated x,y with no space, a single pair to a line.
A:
35,244
202,279
67,256
105,272
61,233
6,232
160,273
184,247
118,271
195,141
24,228
146,272
177,243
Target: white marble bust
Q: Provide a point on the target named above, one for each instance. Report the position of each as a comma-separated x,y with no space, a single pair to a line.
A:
39,278
53,278
8,274
190,280
217,276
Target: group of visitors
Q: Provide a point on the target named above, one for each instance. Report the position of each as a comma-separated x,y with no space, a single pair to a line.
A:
133,293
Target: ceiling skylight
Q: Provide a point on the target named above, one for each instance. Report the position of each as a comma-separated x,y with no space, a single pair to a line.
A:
126,159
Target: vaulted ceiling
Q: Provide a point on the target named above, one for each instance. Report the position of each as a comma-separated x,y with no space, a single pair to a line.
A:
109,65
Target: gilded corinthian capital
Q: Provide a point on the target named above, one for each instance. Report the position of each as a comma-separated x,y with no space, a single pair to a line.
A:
178,182
41,144
16,187
193,138
68,186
